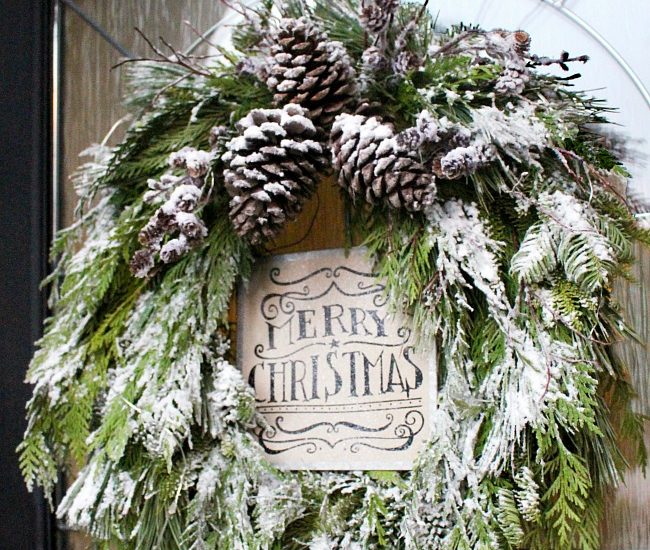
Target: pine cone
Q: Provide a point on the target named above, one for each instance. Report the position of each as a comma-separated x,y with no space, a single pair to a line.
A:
174,249
377,14
513,79
373,60
371,164
197,163
308,69
218,135
463,161
156,228
410,139
142,262
522,42
273,168
180,197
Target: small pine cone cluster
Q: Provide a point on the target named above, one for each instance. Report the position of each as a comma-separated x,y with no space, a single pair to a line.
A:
464,160
508,49
405,59
434,137
371,164
521,42
308,69
435,130
410,139
376,15
180,197
512,49
497,44
373,60
448,146
272,169
513,79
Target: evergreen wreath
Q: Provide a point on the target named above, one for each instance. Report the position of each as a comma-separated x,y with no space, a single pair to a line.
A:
492,207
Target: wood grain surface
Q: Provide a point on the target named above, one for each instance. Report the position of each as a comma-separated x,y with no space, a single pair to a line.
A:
92,90
626,525
319,225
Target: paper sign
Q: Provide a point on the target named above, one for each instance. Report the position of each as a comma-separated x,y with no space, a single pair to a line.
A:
336,376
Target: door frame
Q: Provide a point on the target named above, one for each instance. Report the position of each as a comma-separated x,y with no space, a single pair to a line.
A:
27,200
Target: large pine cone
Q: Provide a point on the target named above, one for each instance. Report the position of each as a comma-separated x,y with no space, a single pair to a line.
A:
273,168
373,164
307,68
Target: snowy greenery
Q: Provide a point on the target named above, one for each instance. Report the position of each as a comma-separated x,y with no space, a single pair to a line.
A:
508,268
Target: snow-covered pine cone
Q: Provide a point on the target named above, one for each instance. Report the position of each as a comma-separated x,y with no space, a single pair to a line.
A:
372,165
521,40
463,161
513,79
511,49
179,196
272,169
308,69
376,15
373,60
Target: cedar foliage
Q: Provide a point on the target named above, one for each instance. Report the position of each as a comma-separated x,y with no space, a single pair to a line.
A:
189,474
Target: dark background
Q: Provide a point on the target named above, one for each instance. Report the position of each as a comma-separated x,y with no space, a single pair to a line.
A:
25,111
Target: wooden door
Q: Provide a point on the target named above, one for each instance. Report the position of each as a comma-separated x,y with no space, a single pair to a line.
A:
626,525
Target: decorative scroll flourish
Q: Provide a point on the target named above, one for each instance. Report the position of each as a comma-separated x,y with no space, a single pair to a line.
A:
396,434
270,309
329,272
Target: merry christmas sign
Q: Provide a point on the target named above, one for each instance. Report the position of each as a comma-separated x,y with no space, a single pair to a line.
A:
336,375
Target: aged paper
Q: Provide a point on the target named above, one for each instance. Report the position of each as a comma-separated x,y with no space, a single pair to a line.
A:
336,376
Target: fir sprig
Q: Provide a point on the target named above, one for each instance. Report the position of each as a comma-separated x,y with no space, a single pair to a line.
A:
506,275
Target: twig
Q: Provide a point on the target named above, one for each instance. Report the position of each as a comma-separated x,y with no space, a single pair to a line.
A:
452,43
547,385
536,61
431,282
560,155
139,59
165,43
413,244
183,59
166,87
233,8
149,43
176,57
422,10
590,170
389,230
200,34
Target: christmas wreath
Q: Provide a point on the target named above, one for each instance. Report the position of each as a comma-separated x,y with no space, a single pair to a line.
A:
493,208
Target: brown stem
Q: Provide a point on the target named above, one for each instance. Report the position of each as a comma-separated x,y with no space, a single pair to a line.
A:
200,35
454,42
233,8
422,10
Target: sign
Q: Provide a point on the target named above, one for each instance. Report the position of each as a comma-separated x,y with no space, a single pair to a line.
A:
336,376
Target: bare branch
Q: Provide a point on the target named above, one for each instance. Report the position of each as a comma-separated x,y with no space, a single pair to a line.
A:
200,34
562,61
